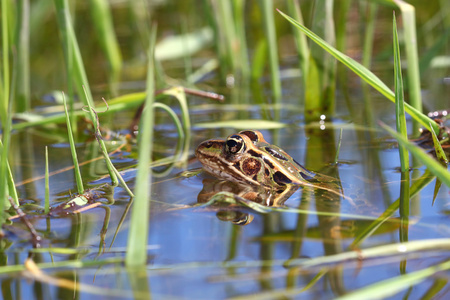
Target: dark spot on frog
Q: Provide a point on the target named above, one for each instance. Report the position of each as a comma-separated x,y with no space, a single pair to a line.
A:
267,171
275,154
236,165
251,166
268,162
255,178
254,153
253,136
280,178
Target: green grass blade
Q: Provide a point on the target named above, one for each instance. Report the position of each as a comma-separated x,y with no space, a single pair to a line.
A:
399,100
412,57
82,84
47,184
102,20
336,157
394,285
435,167
138,232
269,26
300,38
362,72
73,150
22,60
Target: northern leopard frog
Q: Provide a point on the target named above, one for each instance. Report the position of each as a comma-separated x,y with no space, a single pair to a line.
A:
246,157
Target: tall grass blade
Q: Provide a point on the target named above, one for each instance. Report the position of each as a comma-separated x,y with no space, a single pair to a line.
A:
435,167
102,20
399,100
269,26
412,57
362,72
22,60
73,150
324,66
7,187
138,232
82,85
300,38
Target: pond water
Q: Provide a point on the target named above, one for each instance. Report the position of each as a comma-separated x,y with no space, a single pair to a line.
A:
196,251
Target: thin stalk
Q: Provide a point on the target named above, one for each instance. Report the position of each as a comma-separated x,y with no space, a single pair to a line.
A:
399,100
412,57
22,61
301,42
102,20
338,148
322,67
47,184
269,26
82,84
73,150
138,235
7,187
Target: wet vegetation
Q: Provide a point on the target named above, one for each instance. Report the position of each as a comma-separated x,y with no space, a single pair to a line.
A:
103,103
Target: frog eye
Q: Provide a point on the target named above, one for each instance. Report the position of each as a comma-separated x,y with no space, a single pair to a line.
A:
235,144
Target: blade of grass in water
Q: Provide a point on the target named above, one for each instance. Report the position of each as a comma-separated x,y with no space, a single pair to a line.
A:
138,232
112,170
102,20
73,150
7,187
394,285
47,185
364,73
399,100
435,167
79,73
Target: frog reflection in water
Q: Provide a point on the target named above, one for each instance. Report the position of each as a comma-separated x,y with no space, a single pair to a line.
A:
246,158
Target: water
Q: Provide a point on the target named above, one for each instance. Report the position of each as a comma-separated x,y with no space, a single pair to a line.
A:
192,251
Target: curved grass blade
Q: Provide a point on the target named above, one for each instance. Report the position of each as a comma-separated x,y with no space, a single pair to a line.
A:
362,72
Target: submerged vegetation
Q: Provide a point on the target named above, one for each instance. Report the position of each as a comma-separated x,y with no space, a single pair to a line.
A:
276,63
